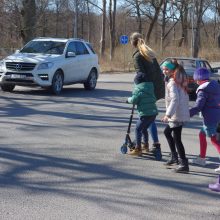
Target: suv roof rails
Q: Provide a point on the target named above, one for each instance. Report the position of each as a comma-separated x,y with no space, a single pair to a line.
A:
50,37
76,38
80,39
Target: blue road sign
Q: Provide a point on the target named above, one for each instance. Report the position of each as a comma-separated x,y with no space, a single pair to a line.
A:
124,39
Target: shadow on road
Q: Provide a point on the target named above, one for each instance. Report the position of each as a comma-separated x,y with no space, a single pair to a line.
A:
27,103
57,174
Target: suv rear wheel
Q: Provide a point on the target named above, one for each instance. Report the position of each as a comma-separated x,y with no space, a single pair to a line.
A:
91,82
7,88
57,83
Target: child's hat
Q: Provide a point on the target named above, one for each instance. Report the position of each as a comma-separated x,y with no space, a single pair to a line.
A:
201,74
169,65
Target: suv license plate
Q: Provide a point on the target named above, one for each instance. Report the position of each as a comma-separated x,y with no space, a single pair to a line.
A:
17,76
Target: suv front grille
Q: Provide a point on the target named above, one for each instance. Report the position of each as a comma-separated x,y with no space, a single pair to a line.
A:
20,66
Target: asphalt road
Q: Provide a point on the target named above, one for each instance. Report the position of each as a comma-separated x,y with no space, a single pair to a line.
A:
60,159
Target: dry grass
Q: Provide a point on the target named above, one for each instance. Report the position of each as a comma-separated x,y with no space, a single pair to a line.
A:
122,61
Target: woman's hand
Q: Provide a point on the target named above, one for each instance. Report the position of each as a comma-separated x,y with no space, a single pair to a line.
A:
165,118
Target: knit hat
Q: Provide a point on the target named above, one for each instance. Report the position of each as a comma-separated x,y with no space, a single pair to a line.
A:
169,65
201,74
139,78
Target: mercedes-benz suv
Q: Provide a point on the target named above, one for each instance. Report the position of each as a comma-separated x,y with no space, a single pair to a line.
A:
51,63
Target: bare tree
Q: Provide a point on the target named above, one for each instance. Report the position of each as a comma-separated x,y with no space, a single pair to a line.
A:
199,13
28,13
88,19
163,25
102,42
137,4
75,23
157,4
184,14
112,15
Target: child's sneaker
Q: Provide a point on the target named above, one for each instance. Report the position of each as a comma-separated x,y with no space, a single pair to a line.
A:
215,186
217,170
199,161
154,148
135,152
145,148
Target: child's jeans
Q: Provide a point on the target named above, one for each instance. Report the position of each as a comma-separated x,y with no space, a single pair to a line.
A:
153,132
141,128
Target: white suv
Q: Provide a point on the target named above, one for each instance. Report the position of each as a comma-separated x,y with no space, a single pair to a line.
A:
51,63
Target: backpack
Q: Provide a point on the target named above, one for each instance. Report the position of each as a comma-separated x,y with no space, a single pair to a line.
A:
158,80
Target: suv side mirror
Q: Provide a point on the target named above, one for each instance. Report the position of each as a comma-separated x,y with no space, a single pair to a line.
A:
70,54
17,51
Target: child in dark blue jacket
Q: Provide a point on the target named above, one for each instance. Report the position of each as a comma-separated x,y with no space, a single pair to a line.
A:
208,103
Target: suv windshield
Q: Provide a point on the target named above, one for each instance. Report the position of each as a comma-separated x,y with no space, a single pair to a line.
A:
45,47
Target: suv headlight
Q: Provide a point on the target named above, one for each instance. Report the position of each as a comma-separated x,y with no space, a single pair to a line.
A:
1,65
44,66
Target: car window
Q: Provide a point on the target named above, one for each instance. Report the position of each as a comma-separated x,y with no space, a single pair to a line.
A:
187,64
71,47
90,47
46,47
202,64
81,49
207,66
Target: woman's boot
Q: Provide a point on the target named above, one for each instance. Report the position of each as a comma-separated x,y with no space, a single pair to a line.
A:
173,159
183,167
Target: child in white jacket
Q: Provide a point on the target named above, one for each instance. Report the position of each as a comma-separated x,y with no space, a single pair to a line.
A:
177,113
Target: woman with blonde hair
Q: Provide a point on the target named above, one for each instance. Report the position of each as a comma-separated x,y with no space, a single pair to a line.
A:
145,62
138,42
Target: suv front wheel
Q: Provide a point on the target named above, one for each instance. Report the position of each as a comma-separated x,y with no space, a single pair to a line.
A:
91,82
7,88
57,83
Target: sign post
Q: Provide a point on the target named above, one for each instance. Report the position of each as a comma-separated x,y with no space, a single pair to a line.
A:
124,41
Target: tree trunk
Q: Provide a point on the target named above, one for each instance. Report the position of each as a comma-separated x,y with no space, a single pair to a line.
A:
163,26
57,19
44,29
28,13
219,41
184,25
154,20
89,23
75,26
112,14
199,14
102,42
138,16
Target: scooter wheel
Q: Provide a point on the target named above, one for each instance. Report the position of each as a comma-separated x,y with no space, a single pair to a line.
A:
124,149
158,155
